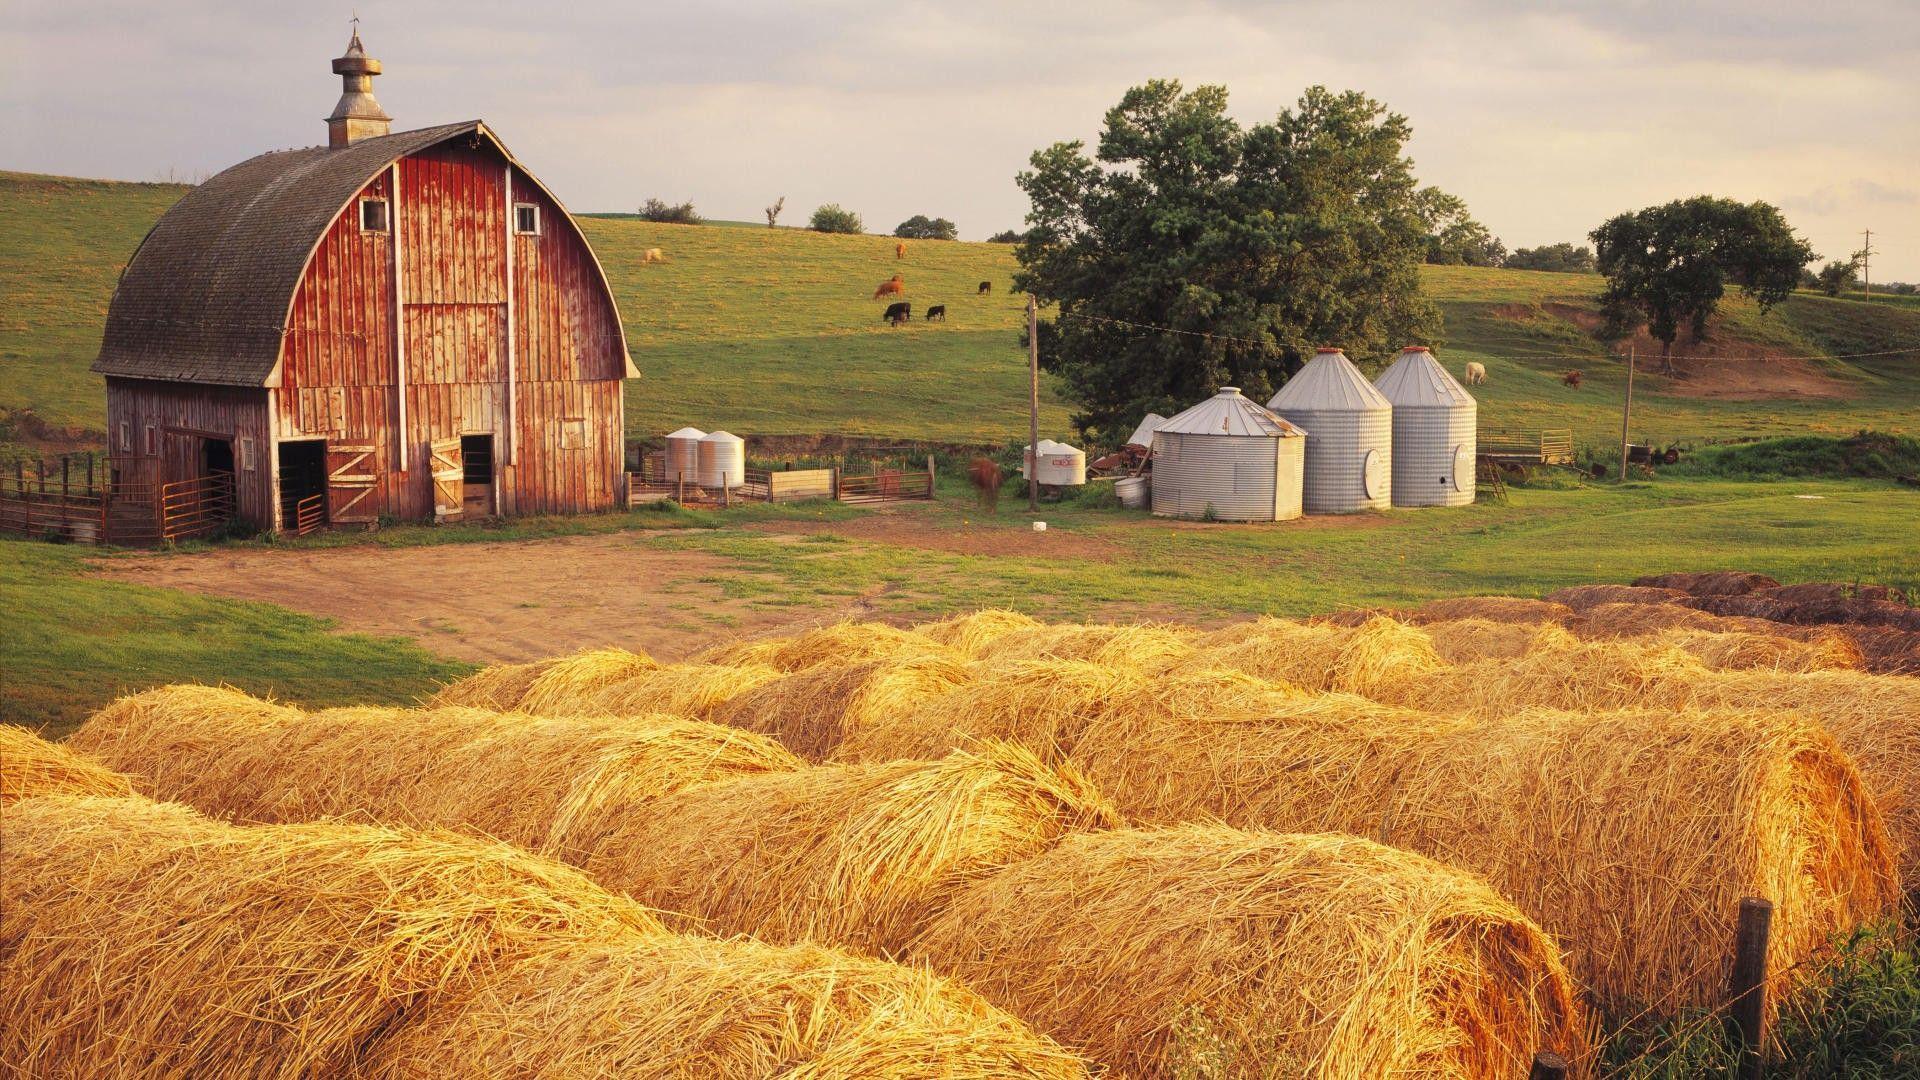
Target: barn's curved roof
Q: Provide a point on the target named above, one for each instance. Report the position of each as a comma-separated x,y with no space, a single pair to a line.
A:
205,297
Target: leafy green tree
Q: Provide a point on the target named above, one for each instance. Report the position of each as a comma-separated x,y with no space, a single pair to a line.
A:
831,218
1834,278
1255,243
1004,236
1454,238
922,227
661,210
1562,258
1668,266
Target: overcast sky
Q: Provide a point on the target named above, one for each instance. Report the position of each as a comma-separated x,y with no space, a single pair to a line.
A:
1545,117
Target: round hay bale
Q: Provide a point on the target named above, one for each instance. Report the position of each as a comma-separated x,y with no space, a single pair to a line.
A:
1202,950
692,690
1497,608
498,686
171,740
1630,836
1886,651
1039,704
839,643
1586,676
679,1006
812,711
1738,651
1810,592
211,950
855,855
31,766
1145,646
1709,583
1463,641
972,633
1607,621
1582,597
566,683
1375,658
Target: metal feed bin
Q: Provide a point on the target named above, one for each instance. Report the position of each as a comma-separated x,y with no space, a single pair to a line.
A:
1350,454
1229,459
722,459
1435,422
683,455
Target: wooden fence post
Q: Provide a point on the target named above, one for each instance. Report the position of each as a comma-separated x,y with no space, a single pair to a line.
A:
1748,991
90,488
930,476
833,475
1548,1065
65,465
726,495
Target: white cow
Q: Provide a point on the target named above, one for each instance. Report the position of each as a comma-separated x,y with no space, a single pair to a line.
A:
1476,374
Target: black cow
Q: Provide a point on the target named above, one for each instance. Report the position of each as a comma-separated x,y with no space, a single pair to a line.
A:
897,313
986,289
937,311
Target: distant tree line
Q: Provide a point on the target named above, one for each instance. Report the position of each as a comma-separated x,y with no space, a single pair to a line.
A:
661,210
922,227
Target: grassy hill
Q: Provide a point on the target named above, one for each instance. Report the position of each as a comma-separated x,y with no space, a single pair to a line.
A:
773,331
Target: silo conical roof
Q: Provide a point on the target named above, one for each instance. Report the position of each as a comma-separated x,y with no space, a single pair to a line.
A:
1329,383
1418,380
687,433
1229,413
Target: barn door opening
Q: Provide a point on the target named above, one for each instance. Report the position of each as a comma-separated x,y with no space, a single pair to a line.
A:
216,457
350,482
476,464
449,480
303,485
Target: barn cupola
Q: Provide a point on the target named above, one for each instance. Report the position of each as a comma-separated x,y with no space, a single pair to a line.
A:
357,116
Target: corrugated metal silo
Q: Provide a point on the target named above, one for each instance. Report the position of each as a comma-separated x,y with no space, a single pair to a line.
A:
683,455
722,460
1229,459
1434,426
1350,453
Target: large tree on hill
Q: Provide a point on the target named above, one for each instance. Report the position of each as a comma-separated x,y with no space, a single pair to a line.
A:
1668,266
922,227
1256,244
1454,238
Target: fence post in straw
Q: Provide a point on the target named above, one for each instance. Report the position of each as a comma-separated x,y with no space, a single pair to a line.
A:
1747,1004
1548,1065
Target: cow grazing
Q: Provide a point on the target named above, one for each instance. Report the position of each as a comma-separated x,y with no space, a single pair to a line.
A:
986,289
893,287
898,313
652,255
1572,378
986,479
937,311
1476,374
900,250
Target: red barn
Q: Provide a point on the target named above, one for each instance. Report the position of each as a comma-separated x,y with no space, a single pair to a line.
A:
404,325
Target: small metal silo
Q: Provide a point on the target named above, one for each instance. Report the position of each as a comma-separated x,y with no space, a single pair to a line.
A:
722,459
1434,431
1229,459
1350,453
683,455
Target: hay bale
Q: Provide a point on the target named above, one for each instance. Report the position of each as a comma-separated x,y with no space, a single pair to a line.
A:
216,951
678,1006
1040,704
1205,950
1463,641
856,855
696,691
1582,597
498,687
570,680
1885,651
812,711
1515,609
1739,651
1146,646
1586,676
1609,621
1811,592
169,739
1630,836
30,766
1709,583
972,633
1375,658
839,643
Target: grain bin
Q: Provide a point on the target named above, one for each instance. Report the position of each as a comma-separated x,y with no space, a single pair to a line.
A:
1350,453
683,455
1230,459
1434,425
1060,465
722,460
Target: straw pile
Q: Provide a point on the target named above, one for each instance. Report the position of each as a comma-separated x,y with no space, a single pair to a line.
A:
857,855
1742,651
544,684
1144,646
692,690
1709,583
1582,597
1588,676
1375,659
971,634
212,950
1630,836
1204,950
1812,592
675,1006
1514,609
545,784
839,643
1042,705
30,766
1637,620
812,711
1463,641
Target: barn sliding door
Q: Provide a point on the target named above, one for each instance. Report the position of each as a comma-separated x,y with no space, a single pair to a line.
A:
350,483
449,480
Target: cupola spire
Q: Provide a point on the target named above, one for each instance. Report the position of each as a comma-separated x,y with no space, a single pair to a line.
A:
357,116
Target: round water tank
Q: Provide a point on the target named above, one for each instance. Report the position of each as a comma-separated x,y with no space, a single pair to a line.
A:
683,455
723,460
1060,465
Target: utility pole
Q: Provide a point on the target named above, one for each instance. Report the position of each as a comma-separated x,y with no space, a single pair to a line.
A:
1033,404
1866,260
1626,416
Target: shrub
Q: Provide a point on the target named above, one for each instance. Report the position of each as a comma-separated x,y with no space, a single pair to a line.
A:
832,218
921,227
1006,236
1870,454
659,210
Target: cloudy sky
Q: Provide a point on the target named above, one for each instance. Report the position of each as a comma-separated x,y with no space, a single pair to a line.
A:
1546,117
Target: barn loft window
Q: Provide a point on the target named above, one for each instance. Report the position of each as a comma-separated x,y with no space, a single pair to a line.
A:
526,219
246,455
373,216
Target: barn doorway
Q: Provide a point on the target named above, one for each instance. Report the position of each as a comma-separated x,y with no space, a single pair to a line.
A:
216,457
303,485
476,463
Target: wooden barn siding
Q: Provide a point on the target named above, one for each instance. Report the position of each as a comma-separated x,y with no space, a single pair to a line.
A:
232,412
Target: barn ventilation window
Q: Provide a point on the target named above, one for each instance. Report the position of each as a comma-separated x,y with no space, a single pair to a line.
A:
526,219
246,455
153,441
126,437
373,216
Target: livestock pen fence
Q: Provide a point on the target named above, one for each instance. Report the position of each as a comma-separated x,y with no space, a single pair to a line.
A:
839,482
78,500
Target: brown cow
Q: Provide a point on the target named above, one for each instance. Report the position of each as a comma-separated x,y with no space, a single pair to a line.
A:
986,477
900,250
985,289
894,287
